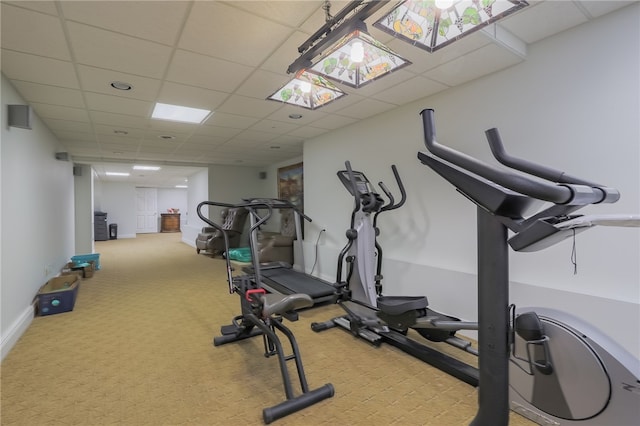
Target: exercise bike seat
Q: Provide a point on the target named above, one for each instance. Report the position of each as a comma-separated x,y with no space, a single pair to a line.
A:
279,304
397,305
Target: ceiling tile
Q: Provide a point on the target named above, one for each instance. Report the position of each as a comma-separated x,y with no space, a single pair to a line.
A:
222,31
204,141
99,80
220,119
46,94
262,84
45,35
57,125
48,7
194,97
25,67
277,127
218,131
117,120
307,116
423,60
538,21
290,13
366,108
106,49
77,137
486,60
331,122
161,23
60,112
118,105
416,88
252,107
599,8
204,71
308,132
285,54
131,132
318,19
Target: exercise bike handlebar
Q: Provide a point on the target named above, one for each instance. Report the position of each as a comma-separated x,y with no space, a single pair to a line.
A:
225,236
526,166
562,193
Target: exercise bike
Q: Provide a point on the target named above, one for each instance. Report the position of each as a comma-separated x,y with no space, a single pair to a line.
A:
262,315
544,364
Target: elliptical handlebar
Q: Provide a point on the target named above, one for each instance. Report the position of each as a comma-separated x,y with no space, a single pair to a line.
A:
562,193
403,193
354,187
247,205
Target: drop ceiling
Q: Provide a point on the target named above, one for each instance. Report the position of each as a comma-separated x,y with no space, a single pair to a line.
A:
225,56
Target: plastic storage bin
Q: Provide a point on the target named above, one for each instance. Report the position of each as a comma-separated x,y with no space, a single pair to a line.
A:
86,258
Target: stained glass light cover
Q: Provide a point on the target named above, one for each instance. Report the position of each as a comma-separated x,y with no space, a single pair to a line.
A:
378,61
425,25
307,90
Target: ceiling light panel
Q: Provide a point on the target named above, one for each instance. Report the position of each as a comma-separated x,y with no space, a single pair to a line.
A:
179,113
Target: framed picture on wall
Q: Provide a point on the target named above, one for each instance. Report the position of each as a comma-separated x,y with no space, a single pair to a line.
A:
291,185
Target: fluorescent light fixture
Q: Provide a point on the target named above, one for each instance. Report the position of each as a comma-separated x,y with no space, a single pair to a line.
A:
154,168
179,113
181,186
116,174
308,90
433,24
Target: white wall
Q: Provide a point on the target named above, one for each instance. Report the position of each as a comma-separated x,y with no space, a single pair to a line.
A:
573,105
118,200
37,217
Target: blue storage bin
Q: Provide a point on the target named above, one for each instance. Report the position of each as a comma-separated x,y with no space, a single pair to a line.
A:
86,258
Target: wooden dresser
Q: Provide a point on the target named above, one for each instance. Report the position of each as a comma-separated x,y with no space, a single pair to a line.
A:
170,222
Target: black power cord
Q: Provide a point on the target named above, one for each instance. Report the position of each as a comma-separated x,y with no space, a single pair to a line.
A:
315,261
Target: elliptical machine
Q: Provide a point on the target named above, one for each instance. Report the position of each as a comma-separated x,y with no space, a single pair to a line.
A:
262,315
379,318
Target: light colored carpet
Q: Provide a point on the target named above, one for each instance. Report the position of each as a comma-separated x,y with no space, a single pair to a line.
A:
137,350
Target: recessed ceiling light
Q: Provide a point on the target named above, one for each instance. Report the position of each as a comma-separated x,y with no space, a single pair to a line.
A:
295,116
179,113
181,186
137,167
116,174
121,85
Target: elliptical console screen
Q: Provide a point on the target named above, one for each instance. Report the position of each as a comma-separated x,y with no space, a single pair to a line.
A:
360,180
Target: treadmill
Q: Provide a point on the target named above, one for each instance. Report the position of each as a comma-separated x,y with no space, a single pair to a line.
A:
280,277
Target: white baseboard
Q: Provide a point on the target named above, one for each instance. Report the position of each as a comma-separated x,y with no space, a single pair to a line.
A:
17,329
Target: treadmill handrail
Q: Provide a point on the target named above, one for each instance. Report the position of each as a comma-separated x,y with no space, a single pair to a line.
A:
225,235
558,194
278,203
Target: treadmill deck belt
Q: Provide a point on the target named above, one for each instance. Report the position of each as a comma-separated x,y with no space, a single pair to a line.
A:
288,280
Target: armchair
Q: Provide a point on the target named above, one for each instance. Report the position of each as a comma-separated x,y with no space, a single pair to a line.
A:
278,247
212,240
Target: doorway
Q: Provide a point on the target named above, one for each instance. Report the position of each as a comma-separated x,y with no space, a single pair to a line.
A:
146,210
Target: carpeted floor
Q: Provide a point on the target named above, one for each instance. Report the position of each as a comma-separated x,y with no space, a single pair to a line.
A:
137,350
